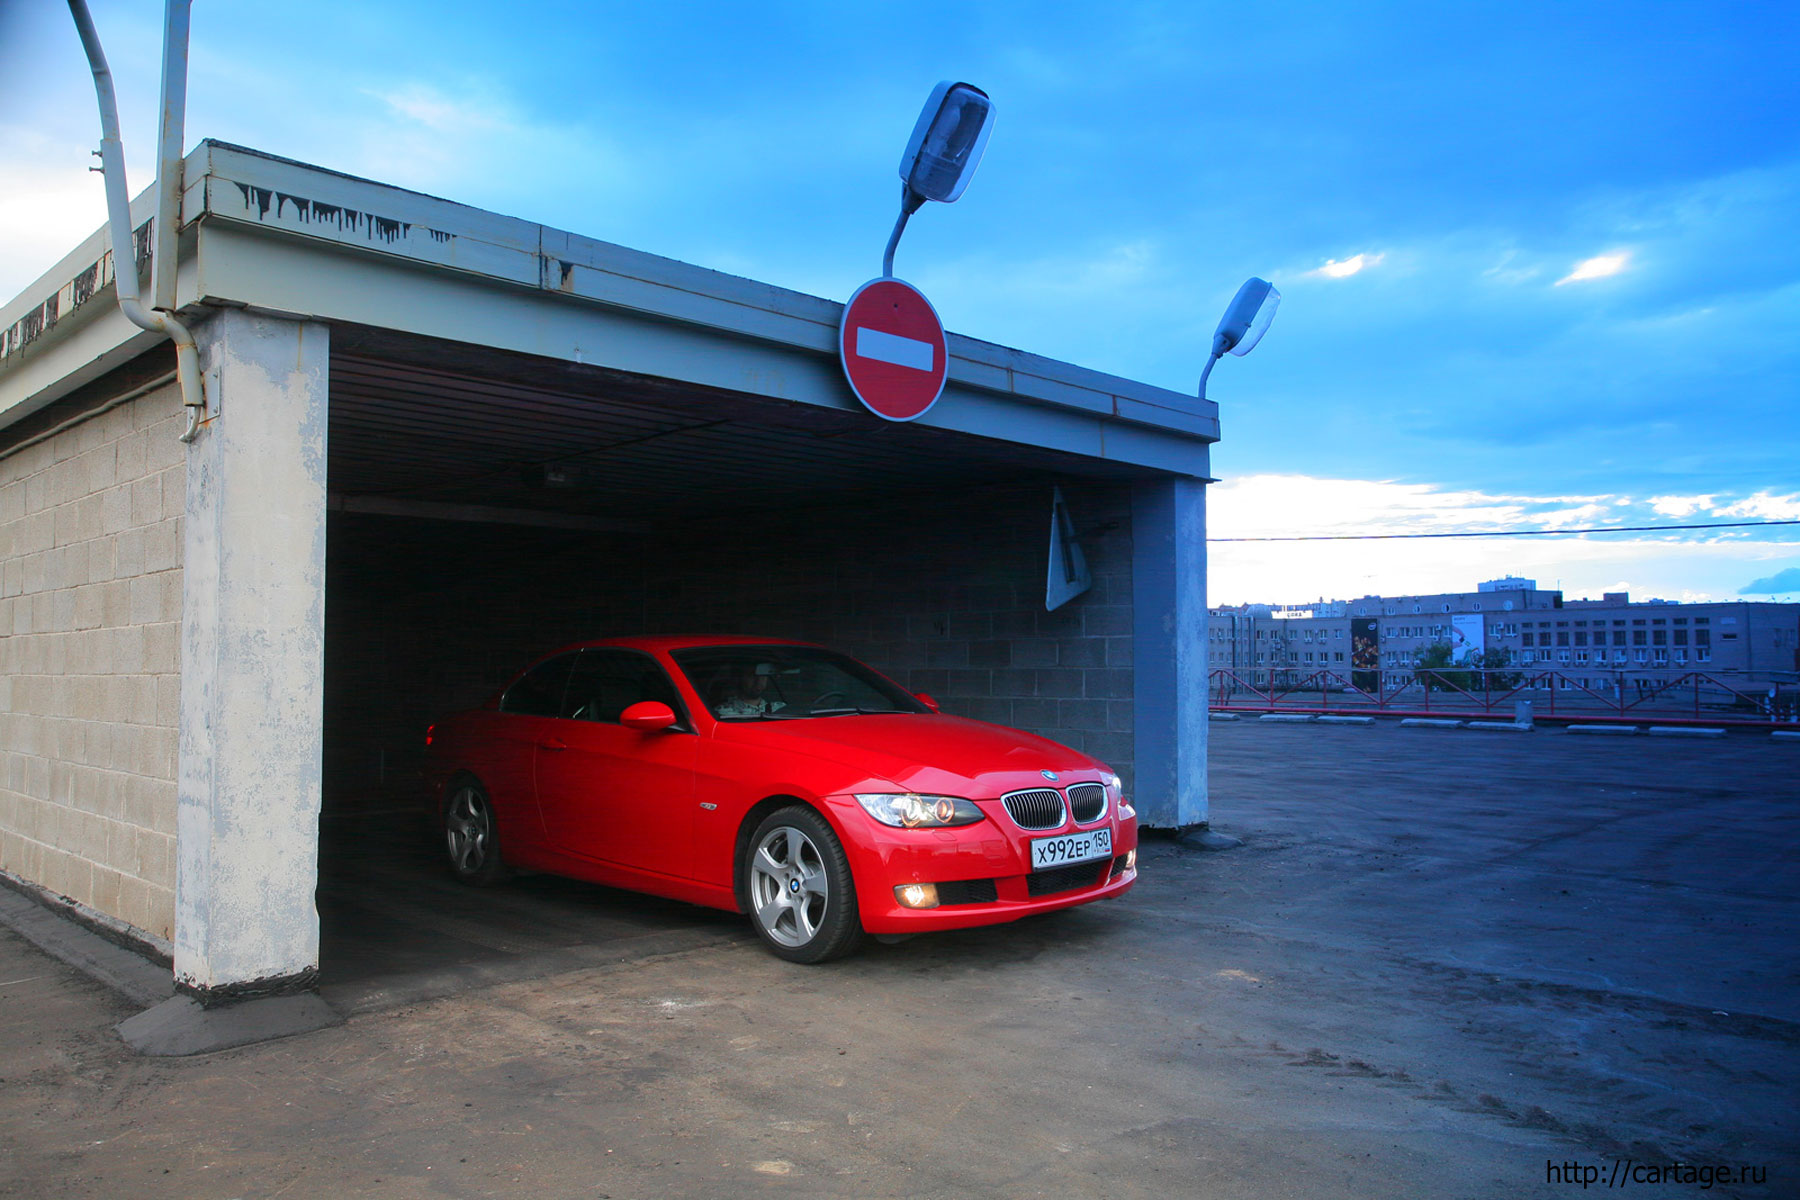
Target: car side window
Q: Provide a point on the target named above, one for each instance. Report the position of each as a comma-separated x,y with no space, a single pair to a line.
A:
607,682
539,692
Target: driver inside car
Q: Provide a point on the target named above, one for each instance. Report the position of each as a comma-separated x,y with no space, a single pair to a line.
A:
744,692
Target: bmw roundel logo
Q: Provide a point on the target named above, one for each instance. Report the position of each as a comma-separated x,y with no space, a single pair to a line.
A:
1050,775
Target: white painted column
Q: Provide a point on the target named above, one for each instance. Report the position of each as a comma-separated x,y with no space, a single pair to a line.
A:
1168,590
252,663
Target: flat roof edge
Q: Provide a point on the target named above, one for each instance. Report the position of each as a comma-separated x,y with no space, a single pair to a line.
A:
252,191
281,195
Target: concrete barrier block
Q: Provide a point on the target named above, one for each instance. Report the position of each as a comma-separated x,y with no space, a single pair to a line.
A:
1689,731
1604,730
1286,718
1786,735
1432,723
180,1026
1501,726
1219,716
1346,720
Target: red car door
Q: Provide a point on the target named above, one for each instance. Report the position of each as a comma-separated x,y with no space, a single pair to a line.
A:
612,794
503,754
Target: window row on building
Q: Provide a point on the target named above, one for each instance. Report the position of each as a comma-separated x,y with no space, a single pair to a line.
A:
1538,629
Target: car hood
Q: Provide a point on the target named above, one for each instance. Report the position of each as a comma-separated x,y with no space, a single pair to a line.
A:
923,752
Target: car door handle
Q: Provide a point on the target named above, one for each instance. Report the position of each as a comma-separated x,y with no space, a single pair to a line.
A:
553,744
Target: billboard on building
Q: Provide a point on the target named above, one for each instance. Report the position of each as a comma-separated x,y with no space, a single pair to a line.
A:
1468,639
1365,653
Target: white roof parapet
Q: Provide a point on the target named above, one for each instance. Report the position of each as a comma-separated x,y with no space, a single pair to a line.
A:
232,193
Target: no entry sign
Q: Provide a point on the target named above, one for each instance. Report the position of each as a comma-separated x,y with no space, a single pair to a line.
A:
893,349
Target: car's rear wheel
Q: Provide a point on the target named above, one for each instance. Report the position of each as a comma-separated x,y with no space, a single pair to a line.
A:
471,838
801,896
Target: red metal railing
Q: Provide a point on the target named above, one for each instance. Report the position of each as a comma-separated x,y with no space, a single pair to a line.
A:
1668,697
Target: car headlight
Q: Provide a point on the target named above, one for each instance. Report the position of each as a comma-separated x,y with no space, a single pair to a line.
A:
1115,792
909,810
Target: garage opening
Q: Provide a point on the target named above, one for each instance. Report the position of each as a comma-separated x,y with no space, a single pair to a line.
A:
487,507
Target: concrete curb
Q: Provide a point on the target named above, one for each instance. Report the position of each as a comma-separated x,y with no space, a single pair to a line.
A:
1603,730
1431,723
180,1026
1207,839
1500,726
1287,718
1346,720
1219,716
1785,735
174,1025
1690,731
125,971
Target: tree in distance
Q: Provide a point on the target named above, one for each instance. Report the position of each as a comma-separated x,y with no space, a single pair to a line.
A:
1435,670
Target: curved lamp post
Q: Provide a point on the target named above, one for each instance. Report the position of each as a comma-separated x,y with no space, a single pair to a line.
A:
1246,320
941,157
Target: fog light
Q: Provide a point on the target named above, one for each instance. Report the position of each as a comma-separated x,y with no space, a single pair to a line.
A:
917,895
1125,864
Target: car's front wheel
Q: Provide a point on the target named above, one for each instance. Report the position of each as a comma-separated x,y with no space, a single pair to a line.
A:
471,839
801,896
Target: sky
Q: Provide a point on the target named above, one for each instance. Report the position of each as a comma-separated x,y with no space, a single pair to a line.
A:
1540,262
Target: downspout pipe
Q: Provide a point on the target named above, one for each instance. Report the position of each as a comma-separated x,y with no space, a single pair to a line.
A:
170,137
118,206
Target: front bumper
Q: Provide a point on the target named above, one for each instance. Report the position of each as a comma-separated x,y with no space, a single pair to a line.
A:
988,859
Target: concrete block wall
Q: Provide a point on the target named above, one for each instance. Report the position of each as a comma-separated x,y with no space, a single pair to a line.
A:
945,593
90,660
948,598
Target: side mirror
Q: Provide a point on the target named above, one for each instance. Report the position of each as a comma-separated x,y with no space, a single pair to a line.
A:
647,716
928,702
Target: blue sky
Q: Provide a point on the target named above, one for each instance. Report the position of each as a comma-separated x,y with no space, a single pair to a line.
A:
1540,262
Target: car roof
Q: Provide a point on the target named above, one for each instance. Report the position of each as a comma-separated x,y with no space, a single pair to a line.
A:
667,642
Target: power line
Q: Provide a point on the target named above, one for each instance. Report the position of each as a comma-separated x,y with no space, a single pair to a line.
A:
1497,533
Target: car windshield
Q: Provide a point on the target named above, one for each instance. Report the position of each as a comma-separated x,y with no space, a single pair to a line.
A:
773,683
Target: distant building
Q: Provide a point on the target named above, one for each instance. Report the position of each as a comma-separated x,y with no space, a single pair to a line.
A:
1586,643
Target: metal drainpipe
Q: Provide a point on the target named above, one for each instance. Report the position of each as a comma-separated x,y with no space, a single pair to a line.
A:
118,201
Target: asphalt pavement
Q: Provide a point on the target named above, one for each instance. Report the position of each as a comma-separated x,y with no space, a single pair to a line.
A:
1442,963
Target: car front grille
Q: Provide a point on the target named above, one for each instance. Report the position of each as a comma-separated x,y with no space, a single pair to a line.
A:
1040,808
1088,801
967,891
1066,879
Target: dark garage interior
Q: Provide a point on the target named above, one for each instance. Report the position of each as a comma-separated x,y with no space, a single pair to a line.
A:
487,508
480,520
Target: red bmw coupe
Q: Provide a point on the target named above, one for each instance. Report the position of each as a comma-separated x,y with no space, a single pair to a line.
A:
775,778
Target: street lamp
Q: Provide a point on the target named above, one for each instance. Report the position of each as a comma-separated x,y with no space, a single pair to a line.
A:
941,157
1248,318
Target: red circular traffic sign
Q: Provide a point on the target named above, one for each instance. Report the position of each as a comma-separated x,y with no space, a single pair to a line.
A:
893,349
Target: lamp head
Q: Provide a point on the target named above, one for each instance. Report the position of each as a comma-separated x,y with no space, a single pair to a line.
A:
947,142
1247,319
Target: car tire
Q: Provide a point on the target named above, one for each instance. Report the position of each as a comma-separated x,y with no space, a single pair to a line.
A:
471,834
798,888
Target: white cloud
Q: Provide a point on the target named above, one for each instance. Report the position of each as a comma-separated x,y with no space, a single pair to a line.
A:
1343,268
425,105
1283,505
1694,566
1764,505
1679,506
49,202
1598,267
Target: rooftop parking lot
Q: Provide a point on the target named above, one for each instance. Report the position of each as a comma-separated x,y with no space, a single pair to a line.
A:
1442,963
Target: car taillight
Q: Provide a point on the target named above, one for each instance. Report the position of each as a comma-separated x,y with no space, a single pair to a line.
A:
429,730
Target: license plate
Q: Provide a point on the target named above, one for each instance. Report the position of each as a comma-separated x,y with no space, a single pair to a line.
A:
1070,848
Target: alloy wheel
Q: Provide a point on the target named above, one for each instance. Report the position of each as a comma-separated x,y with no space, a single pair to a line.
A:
468,831
790,891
